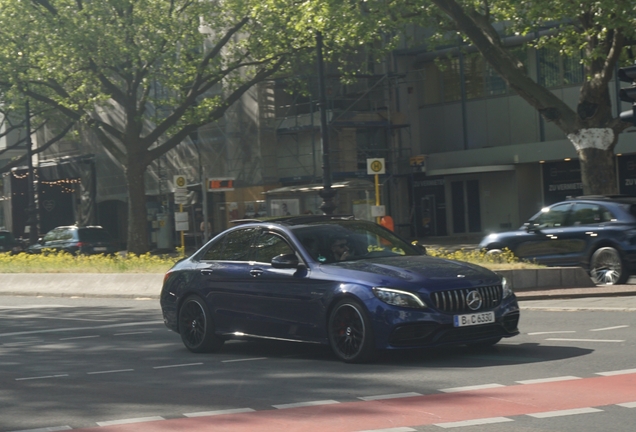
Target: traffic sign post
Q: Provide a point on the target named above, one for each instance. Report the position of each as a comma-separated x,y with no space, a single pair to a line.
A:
375,167
181,198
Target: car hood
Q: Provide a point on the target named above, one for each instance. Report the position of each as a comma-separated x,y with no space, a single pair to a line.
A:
431,273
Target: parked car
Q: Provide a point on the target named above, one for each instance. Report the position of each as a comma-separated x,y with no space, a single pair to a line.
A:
338,281
597,233
8,243
88,240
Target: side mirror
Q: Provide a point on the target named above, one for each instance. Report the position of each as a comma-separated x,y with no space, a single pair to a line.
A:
419,246
285,261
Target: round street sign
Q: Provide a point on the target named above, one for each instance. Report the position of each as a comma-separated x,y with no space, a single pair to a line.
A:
179,181
375,166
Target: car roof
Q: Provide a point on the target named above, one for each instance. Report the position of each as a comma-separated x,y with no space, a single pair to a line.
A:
76,227
296,220
623,199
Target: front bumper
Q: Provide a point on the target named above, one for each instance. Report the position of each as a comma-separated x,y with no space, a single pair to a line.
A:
416,329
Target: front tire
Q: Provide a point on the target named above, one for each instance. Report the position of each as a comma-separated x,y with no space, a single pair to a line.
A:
196,326
607,267
350,332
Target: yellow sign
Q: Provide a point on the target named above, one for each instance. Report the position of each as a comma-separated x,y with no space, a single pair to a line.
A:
417,160
179,181
375,166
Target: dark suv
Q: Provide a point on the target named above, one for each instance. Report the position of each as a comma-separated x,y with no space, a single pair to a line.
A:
597,233
8,243
87,240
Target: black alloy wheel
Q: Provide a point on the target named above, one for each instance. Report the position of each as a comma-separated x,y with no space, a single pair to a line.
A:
196,326
607,267
350,333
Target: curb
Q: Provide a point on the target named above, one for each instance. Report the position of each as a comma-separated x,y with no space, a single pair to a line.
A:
528,284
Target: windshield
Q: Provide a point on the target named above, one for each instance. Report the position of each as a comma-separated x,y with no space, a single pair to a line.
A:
334,241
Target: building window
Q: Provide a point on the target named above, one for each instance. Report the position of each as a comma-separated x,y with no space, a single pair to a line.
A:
429,84
474,75
451,88
440,81
556,70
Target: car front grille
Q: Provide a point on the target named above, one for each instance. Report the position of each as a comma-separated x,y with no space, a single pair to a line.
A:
454,301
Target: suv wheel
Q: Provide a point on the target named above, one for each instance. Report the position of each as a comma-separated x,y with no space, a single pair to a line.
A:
607,267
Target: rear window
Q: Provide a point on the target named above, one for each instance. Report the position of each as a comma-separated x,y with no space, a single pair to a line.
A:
94,235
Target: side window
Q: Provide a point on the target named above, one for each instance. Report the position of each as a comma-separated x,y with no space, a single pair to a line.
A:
237,245
215,251
268,245
66,235
234,246
553,217
586,214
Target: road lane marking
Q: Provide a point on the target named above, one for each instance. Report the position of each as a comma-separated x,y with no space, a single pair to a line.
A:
610,328
177,365
397,429
547,380
628,405
550,332
584,340
389,396
128,421
26,316
469,388
47,429
66,329
242,360
15,344
475,422
80,337
132,333
219,412
617,372
41,377
109,371
561,413
306,404
47,306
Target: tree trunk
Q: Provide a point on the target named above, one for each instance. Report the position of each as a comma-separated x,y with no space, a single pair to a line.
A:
137,219
598,171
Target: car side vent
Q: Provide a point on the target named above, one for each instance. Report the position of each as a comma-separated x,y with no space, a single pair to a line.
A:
456,300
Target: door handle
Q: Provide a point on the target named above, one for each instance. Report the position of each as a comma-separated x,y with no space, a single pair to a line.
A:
256,272
206,272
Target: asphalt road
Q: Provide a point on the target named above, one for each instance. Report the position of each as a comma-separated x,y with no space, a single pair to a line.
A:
111,364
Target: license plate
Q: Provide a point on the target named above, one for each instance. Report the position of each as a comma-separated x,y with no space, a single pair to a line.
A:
100,249
474,319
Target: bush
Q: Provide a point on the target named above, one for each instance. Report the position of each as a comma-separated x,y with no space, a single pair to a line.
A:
63,262
494,261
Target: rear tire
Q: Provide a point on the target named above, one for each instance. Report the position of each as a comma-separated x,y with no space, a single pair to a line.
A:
607,267
196,326
350,332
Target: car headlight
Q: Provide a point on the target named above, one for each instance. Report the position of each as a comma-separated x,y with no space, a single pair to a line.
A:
507,291
398,298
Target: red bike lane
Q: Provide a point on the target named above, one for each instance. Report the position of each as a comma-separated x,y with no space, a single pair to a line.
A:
411,411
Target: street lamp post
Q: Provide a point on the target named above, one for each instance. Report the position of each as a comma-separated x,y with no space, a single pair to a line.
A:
327,193
32,214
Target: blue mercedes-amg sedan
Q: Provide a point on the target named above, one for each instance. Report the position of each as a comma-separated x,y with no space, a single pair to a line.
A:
335,280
